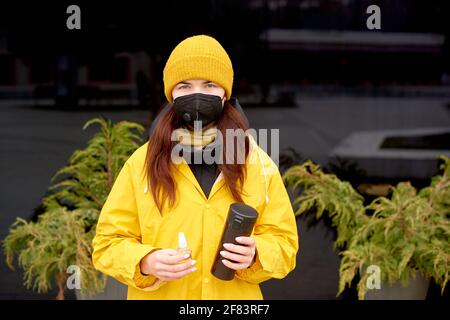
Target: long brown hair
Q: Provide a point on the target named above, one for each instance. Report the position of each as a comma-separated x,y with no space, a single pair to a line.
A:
158,163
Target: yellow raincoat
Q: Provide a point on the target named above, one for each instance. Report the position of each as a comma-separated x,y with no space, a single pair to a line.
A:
130,226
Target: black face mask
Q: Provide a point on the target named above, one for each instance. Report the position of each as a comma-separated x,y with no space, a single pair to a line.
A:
198,107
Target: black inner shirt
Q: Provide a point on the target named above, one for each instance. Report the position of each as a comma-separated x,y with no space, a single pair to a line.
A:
205,173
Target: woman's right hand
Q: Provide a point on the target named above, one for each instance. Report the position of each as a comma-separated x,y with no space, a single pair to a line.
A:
166,265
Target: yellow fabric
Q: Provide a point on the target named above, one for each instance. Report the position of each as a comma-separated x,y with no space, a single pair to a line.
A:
130,226
198,57
196,138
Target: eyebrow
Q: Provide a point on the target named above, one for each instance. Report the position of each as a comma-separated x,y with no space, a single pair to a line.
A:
204,82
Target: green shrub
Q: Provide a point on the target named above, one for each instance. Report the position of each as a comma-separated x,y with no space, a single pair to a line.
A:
63,234
406,233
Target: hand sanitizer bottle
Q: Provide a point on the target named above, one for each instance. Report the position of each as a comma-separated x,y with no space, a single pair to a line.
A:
182,244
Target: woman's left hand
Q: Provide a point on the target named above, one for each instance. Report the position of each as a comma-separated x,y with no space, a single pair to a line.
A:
242,256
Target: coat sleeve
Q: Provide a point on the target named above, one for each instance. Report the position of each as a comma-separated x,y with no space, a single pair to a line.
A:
117,245
276,236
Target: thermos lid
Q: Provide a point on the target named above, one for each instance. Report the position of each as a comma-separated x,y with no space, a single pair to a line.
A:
243,210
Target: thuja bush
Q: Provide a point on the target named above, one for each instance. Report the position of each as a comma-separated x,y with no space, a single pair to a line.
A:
63,233
403,234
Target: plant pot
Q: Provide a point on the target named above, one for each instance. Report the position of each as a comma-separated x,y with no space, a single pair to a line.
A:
114,290
416,289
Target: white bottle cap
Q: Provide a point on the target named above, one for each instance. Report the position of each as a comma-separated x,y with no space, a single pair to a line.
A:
182,243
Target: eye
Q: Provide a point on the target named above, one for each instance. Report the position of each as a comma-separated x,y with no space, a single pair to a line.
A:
211,85
183,86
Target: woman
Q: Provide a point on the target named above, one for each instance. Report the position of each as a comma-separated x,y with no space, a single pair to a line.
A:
160,193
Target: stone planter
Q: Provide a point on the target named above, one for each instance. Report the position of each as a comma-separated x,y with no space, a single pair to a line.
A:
415,290
114,290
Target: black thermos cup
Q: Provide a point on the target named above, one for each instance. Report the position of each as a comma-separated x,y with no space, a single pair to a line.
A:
240,222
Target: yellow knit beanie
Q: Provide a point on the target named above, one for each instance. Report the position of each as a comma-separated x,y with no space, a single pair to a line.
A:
198,57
